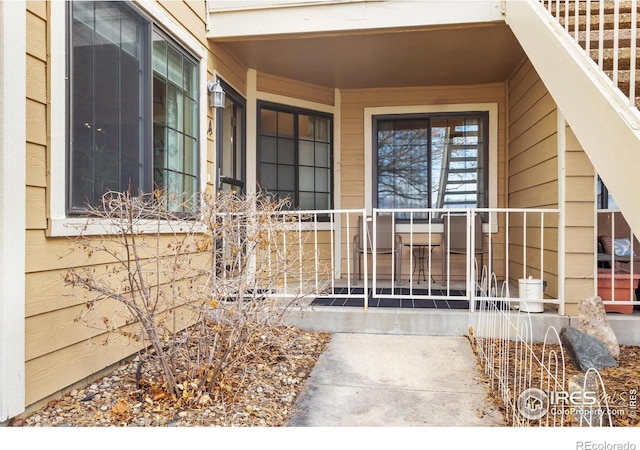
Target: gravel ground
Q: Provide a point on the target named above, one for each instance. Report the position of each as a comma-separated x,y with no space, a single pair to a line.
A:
260,393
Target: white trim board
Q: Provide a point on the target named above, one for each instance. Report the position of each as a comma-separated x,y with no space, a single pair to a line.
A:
13,86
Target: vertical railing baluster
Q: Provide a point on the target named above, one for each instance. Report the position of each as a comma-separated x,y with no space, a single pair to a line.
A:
316,252
365,259
507,233
411,259
542,249
616,37
576,23
284,249
300,255
430,250
587,30
632,60
601,36
524,246
333,263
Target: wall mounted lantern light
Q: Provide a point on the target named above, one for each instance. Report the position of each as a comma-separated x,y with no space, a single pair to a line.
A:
216,94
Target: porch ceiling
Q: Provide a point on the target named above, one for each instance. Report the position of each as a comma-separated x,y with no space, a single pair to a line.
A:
469,54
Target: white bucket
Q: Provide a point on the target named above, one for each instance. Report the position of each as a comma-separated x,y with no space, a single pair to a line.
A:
530,289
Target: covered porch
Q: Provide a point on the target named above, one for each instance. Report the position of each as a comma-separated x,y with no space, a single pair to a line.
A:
422,260
535,186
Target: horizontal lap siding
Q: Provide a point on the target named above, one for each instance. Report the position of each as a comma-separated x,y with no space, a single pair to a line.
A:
580,236
57,353
533,172
291,88
36,103
352,152
533,182
228,67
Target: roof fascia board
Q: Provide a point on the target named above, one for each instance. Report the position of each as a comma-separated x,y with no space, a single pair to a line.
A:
274,19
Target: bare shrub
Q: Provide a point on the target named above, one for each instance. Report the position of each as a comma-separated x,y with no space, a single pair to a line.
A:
202,296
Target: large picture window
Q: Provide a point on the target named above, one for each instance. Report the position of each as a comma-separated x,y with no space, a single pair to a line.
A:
295,156
431,161
133,120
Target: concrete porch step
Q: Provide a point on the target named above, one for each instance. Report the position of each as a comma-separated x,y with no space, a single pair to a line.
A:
433,322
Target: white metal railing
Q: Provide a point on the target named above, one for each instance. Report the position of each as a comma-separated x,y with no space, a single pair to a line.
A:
324,265
531,380
585,22
618,262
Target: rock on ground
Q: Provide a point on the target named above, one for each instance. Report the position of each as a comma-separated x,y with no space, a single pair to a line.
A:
586,351
592,320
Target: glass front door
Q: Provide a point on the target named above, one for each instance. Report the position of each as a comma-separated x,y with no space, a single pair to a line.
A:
230,139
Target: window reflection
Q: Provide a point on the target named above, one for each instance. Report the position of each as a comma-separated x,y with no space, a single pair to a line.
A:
436,161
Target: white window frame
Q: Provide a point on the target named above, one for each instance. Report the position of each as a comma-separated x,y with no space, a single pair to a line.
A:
12,207
59,224
369,113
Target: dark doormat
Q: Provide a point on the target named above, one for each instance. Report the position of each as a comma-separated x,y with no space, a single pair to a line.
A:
340,298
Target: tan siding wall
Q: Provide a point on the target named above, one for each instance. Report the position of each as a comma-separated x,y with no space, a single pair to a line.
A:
353,104
191,15
532,141
296,89
36,103
57,354
228,66
580,224
533,172
533,182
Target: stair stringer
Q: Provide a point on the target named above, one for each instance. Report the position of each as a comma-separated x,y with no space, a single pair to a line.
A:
598,113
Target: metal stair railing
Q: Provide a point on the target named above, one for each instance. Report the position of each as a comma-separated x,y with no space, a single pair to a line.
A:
610,27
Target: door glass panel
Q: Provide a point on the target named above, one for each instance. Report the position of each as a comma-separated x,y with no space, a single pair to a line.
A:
231,147
402,164
438,161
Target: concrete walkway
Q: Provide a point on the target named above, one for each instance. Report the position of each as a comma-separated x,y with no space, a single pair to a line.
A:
374,380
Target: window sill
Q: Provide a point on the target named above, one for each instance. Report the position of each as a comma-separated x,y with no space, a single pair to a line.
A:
69,227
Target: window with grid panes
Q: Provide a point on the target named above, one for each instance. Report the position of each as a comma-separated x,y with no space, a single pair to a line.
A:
295,156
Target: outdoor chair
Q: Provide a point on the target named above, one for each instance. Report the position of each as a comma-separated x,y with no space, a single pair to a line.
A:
454,240
385,237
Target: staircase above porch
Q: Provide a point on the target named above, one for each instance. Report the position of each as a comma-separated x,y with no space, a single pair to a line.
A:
596,97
